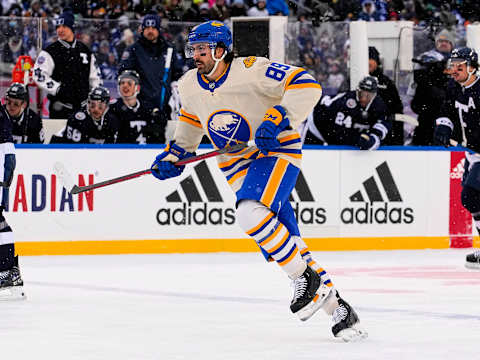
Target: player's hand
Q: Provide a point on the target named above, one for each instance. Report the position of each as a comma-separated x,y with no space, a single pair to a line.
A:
163,167
274,122
368,141
442,135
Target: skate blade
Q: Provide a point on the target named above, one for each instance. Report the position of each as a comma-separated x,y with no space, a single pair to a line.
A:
12,293
473,266
323,294
353,334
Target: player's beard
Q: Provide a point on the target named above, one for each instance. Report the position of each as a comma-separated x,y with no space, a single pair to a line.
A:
205,68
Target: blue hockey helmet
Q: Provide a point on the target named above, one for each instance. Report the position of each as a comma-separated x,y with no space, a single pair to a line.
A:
99,93
214,33
17,91
368,83
464,55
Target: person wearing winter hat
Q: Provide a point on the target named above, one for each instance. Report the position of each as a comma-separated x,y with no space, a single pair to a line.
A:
429,86
156,62
444,42
389,93
66,69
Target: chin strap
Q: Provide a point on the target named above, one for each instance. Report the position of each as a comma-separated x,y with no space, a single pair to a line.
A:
217,61
470,74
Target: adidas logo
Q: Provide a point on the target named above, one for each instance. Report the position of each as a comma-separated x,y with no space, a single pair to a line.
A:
376,198
458,170
197,196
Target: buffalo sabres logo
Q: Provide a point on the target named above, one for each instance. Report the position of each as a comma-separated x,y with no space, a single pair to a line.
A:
249,61
227,127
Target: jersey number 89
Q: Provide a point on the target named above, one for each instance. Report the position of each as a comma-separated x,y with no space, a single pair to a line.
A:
276,71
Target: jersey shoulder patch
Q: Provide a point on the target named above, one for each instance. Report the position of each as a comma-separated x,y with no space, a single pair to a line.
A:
113,101
80,115
249,61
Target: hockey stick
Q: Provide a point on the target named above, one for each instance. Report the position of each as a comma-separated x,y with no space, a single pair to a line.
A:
406,119
168,61
67,180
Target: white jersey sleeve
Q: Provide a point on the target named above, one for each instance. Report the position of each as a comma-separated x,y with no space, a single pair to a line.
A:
95,77
298,90
189,131
42,73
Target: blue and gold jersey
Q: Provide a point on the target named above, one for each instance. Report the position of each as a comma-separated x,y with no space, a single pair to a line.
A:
230,109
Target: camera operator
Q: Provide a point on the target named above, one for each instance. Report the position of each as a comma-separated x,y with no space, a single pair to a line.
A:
429,86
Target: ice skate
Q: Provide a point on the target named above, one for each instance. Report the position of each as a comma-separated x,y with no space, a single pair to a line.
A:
346,323
473,260
309,294
11,285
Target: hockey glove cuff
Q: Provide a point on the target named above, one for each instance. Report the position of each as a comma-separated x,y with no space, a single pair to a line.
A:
163,167
369,141
443,132
274,122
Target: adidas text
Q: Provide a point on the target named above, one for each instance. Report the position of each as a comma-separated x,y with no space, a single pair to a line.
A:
200,214
309,215
377,214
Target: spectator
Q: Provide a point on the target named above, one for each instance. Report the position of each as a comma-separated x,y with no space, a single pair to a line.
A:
429,87
369,11
147,57
259,9
238,8
108,68
11,50
27,126
389,94
192,14
175,10
277,7
66,70
139,124
335,76
94,124
219,11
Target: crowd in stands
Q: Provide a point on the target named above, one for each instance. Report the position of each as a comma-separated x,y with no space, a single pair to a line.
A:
109,27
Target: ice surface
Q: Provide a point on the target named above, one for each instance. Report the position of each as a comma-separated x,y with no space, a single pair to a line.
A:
414,304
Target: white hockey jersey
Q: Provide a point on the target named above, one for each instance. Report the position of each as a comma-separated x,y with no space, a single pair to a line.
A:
230,109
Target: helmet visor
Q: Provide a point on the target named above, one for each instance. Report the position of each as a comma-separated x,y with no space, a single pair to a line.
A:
197,47
454,63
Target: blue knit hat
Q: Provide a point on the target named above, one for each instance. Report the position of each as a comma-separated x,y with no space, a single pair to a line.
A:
151,20
67,19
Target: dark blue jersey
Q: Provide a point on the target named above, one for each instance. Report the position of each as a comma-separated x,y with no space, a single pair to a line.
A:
139,124
462,107
340,120
5,126
82,129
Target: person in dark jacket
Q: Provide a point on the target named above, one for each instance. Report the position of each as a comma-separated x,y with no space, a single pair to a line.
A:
389,94
156,62
66,70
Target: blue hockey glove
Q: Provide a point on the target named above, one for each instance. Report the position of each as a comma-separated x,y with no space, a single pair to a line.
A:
163,167
442,135
369,141
274,122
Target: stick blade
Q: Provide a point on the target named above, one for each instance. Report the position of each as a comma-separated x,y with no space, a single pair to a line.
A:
64,176
76,190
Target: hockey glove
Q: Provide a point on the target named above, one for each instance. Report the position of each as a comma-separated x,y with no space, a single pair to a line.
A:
369,141
163,167
274,122
443,132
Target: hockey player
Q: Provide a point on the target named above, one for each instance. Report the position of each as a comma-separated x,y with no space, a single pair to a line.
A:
459,120
357,118
27,126
11,283
234,100
95,124
139,123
